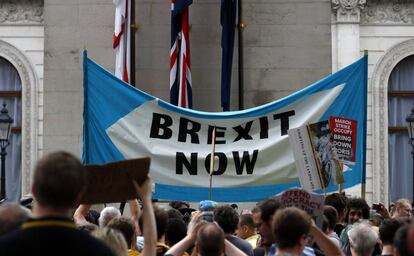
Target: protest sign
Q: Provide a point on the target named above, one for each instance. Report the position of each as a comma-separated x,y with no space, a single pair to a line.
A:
111,183
305,162
329,166
309,202
344,132
316,160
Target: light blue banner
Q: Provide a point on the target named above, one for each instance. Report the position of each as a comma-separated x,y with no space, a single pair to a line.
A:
116,126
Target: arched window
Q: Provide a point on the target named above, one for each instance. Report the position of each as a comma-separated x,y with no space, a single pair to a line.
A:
11,94
400,103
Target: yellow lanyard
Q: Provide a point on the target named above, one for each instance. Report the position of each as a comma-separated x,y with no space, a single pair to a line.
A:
49,223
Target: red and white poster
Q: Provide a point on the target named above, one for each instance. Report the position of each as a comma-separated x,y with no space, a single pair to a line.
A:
344,133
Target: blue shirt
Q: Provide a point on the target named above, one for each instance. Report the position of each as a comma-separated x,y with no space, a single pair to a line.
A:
307,251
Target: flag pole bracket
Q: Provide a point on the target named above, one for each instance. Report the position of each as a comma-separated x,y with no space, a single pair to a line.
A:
134,27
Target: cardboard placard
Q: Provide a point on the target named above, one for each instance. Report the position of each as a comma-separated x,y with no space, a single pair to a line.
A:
311,203
305,161
329,166
112,182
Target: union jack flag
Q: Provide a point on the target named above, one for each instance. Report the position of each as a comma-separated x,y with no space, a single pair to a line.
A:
180,61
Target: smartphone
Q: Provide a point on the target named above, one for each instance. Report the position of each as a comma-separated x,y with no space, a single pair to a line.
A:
376,207
208,216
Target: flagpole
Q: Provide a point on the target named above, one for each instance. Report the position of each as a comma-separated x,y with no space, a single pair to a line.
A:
240,28
364,162
85,156
133,30
212,157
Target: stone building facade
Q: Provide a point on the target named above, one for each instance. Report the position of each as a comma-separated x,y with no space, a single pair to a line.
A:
288,45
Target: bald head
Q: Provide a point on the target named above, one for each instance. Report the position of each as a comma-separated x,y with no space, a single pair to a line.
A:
210,240
12,216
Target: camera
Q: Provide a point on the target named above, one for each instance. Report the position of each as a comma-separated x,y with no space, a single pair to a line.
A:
207,216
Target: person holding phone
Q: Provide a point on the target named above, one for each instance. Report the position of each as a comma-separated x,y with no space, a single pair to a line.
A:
402,208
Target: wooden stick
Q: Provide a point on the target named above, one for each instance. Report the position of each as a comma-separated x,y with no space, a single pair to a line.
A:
212,158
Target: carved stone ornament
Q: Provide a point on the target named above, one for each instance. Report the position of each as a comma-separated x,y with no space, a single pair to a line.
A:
348,10
389,12
21,11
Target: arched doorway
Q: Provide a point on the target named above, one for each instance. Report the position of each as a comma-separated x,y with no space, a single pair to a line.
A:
11,95
379,115
400,103
29,111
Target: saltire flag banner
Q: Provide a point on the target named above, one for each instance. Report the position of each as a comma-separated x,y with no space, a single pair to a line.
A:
121,42
228,22
253,156
180,61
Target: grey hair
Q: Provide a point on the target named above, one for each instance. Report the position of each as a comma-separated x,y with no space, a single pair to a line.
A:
362,239
107,214
12,216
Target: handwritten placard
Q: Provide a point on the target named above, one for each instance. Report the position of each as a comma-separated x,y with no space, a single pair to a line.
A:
311,203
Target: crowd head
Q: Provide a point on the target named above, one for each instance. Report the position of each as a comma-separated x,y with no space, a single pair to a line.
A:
210,240
291,227
362,239
357,209
58,181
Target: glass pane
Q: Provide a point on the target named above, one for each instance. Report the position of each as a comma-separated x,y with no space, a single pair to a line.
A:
9,77
398,110
402,76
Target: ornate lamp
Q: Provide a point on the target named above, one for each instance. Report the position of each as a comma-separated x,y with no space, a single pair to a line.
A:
410,126
5,129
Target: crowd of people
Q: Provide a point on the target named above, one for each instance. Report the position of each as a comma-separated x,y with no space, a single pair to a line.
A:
58,225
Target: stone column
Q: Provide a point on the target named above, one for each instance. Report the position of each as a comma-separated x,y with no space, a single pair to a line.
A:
346,47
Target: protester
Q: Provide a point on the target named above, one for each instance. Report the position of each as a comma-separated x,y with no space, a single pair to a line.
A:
58,182
179,205
208,239
387,232
113,239
12,216
174,214
107,214
331,216
176,230
339,202
402,208
357,209
247,230
401,242
362,239
127,229
291,227
161,220
227,218
207,205
263,219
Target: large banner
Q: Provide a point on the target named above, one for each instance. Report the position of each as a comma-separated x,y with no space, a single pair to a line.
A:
253,156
